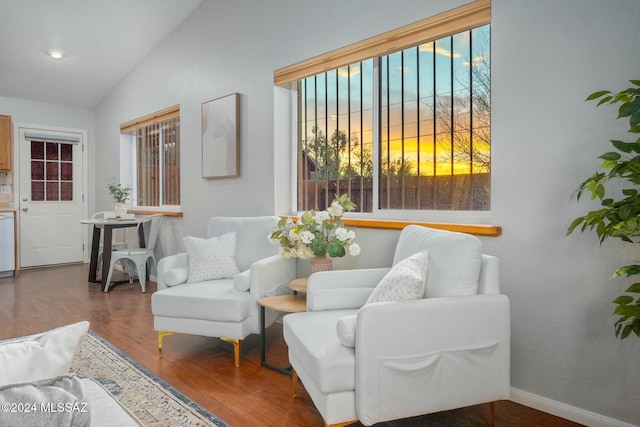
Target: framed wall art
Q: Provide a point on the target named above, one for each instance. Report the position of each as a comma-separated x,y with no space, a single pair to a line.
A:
221,137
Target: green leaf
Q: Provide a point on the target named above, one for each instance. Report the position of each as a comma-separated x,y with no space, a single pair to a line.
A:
622,300
635,288
629,108
635,82
596,95
611,155
625,332
576,222
604,100
600,191
629,270
635,119
625,147
627,211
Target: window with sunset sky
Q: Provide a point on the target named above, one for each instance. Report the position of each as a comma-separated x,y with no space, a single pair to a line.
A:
405,131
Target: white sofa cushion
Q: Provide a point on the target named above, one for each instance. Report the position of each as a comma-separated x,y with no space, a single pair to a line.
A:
176,276
42,356
454,259
405,281
209,300
212,258
312,337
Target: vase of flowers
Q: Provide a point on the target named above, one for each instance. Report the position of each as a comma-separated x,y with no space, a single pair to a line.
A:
120,194
317,234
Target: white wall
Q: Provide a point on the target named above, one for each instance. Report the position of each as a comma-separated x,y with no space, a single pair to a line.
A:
547,56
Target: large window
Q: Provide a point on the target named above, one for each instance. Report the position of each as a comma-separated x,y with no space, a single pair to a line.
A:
154,142
405,131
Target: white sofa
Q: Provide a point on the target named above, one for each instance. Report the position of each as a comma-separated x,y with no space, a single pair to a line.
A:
226,308
447,350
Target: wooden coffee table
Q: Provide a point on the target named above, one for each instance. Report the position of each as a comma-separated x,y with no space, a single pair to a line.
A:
286,303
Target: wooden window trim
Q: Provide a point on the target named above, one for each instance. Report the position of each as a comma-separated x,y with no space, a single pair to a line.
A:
153,212
159,116
476,229
453,21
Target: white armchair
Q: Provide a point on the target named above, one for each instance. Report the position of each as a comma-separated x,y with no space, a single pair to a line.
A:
447,350
225,308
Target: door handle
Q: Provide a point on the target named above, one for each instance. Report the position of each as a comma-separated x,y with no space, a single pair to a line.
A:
25,209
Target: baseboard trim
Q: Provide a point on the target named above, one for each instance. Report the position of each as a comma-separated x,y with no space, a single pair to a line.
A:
563,410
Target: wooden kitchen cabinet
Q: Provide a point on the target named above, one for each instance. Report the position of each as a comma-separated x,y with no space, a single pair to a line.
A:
6,144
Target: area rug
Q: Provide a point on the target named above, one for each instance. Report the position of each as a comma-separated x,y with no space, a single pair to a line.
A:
151,399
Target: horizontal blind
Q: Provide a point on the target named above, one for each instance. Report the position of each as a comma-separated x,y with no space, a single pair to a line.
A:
31,136
158,116
463,18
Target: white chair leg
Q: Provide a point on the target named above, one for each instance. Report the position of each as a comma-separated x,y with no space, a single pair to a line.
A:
108,284
142,275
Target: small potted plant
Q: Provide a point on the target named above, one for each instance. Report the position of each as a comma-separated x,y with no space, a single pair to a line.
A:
120,194
319,235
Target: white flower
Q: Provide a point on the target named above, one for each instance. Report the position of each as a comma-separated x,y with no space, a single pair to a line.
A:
293,235
304,252
321,216
285,253
342,234
351,235
354,249
307,237
335,209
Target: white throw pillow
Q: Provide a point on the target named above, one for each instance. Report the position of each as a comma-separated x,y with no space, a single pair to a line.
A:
346,330
213,258
44,356
242,282
405,281
176,276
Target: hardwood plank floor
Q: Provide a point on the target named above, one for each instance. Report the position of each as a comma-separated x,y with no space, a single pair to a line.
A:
201,368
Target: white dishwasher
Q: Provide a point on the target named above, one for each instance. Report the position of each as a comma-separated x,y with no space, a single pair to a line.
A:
7,245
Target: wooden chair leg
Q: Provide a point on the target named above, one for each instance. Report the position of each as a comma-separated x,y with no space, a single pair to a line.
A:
236,349
294,383
492,414
161,335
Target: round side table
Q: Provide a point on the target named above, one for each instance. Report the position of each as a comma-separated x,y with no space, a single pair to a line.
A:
298,285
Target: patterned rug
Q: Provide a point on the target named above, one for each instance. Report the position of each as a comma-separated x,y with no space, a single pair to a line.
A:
151,399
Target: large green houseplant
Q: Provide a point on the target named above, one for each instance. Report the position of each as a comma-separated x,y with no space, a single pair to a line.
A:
619,216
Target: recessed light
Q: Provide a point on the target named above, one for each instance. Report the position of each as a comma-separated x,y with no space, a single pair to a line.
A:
56,54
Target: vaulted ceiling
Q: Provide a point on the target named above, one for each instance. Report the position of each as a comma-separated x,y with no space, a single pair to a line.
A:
102,40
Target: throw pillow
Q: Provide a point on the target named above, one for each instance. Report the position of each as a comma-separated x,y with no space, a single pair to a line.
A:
213,258
346,330
176,276
43,356
242,282
405,281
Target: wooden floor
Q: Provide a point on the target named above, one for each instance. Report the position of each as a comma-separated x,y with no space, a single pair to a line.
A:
201,368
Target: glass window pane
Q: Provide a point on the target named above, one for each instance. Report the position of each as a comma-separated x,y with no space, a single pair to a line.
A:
52,194
66,152
37,191
37,150
52,171
51,151
66,191
66,171
37,170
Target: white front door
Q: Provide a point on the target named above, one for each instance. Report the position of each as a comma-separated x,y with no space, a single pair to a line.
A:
50,203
